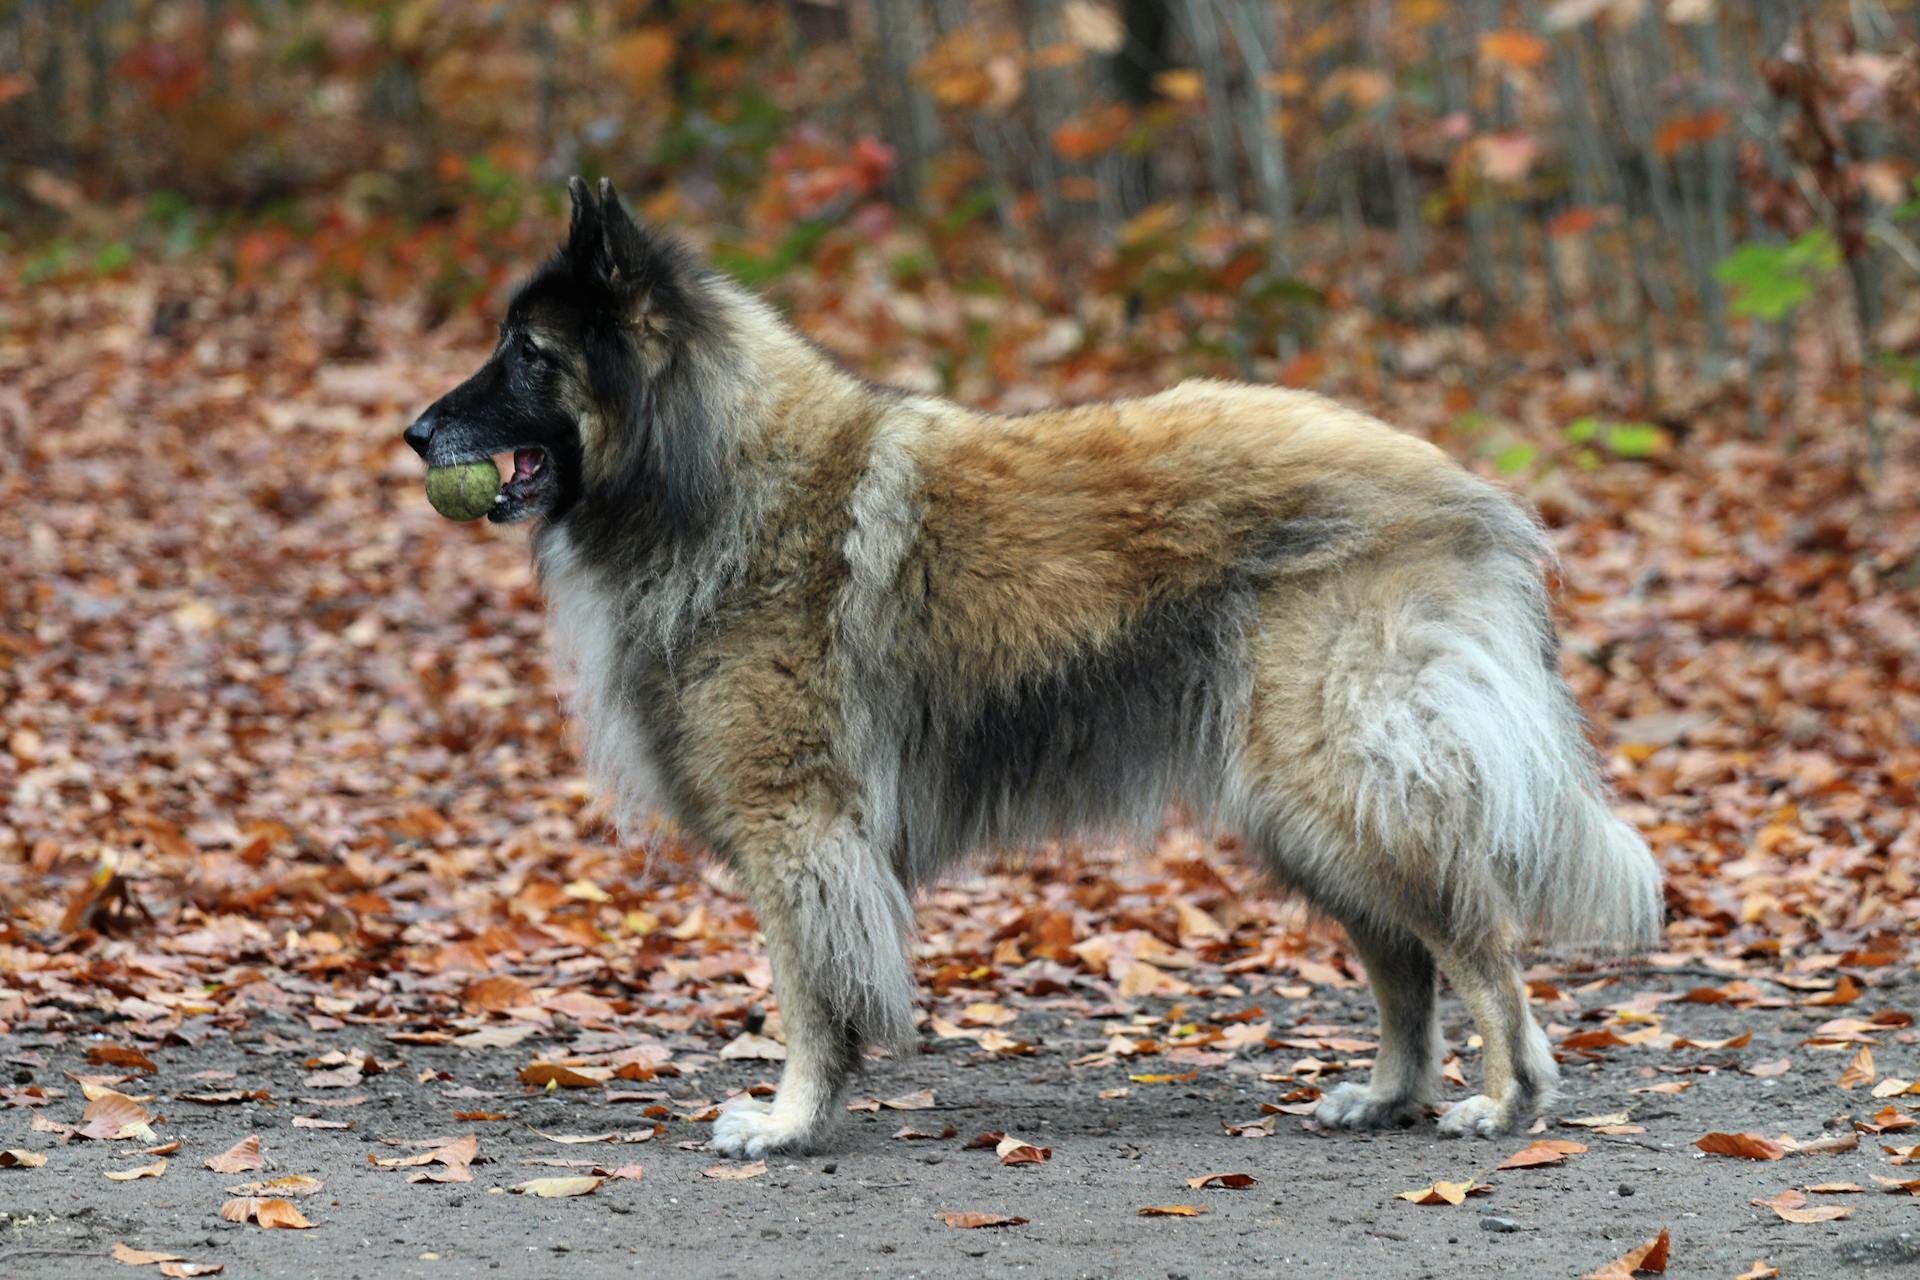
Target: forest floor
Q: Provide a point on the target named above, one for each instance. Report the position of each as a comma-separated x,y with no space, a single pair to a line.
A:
1322,1204
295,845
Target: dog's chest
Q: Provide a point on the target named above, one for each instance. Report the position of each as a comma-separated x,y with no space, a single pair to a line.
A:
606,670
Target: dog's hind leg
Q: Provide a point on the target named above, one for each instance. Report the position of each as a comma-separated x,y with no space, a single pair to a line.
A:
1407,1067
1518,1062
836,919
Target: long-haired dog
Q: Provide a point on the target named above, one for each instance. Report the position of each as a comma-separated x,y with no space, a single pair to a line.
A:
846,635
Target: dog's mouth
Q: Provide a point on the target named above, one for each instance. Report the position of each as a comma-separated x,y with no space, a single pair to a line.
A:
530,489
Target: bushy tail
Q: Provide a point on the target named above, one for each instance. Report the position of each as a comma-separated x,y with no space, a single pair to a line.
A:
1603,891
1471,755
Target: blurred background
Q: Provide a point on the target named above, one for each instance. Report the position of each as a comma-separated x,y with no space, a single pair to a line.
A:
1628,184
1651,263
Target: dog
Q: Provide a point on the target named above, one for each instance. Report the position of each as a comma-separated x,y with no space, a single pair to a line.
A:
846,635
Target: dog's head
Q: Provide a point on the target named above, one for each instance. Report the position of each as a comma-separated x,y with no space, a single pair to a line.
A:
594,385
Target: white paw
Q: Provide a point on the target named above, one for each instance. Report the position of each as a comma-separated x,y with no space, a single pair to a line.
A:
748,1129
1480,1117
1356,1106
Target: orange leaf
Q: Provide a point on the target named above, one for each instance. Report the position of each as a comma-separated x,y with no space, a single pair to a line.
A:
140,1257
969,1221
1171,1211
1546,1151
1651,1256
1236,1181
1746,1146
243,1156
1514,49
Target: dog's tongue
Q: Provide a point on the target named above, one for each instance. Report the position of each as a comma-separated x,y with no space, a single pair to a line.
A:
525,463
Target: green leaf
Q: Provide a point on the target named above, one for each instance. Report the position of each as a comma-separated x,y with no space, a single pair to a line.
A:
1514,458
1582,430
110,258
1635,439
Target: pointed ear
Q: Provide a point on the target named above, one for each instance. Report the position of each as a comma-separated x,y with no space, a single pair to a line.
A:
583,232
625,251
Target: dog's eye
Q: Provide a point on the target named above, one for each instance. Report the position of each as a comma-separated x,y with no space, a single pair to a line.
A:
529,350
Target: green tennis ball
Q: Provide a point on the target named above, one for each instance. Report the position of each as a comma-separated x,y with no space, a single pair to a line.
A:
465,491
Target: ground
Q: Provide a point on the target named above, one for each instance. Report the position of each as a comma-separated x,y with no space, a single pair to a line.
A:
1324,1204
285,779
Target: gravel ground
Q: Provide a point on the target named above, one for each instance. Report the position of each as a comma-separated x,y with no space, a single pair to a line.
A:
1324,1205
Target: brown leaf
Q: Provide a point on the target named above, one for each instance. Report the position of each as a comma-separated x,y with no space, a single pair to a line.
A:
1012,1151
116,1055
1859,1071
140,1257
1235,1181
1649,1257
553,1073
971,1221
1171,1211
1745,1146
559,1188
270,1214
17,1159
735,1172
153,1170
113,1116
293,1184
1546,1151
1445,1192
243,1156
1790,1206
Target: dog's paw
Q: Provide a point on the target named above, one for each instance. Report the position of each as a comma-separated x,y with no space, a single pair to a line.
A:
748,1129
1481,1117
1356,1106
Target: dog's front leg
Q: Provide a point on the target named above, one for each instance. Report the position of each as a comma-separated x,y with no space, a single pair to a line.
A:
836,920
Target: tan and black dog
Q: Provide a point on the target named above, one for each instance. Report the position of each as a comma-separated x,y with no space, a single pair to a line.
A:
847,635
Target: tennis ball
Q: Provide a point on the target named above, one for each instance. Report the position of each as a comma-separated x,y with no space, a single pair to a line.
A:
464,491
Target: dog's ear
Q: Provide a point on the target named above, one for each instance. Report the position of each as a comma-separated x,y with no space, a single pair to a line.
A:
584,238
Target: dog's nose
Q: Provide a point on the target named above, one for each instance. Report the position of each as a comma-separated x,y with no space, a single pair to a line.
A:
420,433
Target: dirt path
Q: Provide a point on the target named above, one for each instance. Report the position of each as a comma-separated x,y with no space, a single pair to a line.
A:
1324,1205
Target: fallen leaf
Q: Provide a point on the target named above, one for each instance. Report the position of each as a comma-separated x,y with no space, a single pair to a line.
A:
115,1055
113,1116
141,1257
1235,1181
559,1188
1545,1151
1649,1257
1012,1151
1598,1122
1770,1067
17,1159
1835,1188
183,1270
970,1221
270,1214
153,1170
1445,1192
1859,1071
1746,1146
554,1074
315,1122
243,1156
1171,1211
293,1184
735,1172
1760,1270
1790,1206
750,1046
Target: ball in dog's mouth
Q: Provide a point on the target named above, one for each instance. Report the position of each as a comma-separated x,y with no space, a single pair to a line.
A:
465,490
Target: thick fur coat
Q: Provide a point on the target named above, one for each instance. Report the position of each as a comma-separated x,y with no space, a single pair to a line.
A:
848,636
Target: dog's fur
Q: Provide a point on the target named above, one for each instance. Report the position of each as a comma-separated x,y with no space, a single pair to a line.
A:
847,635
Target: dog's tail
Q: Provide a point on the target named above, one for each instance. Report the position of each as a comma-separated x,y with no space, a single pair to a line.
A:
1471,756
1602,890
